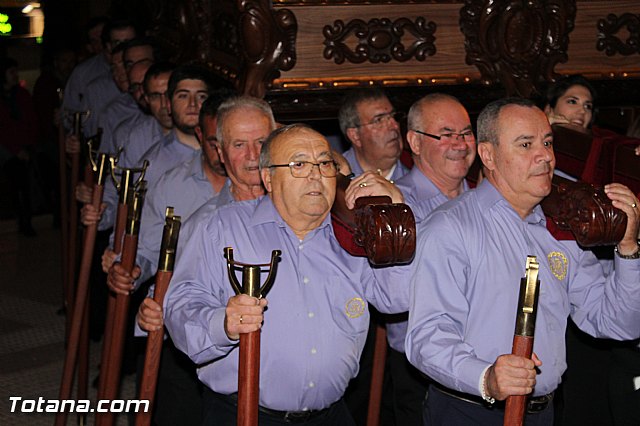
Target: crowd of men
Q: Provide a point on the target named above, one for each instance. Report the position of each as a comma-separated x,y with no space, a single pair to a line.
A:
238,179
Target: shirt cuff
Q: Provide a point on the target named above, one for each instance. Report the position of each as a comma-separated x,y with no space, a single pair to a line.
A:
627,270
218,334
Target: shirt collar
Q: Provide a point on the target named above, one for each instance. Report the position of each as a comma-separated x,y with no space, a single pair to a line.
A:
265,212
224,197
489,197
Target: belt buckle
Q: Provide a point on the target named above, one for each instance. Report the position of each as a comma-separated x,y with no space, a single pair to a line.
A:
539,404
296,416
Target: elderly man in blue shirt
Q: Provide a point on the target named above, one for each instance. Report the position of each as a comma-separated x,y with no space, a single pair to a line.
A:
444,147
316,324
470,257
244,122
368,120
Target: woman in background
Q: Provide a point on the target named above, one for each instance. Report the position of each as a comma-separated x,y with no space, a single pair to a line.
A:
18,137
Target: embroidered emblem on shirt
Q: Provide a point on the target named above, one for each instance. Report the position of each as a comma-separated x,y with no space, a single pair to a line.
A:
355,307
558,264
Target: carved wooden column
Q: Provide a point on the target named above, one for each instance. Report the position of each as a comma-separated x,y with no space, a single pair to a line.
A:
267,38
517,42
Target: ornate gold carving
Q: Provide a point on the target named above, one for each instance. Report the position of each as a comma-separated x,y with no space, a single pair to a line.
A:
379,40
517,42
609,28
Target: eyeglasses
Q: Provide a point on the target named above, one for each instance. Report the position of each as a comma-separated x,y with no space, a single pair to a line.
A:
156,96
302,169
467,136
384,119
135,87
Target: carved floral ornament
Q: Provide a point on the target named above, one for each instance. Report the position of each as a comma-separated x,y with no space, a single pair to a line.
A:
517,42
608,30
379,40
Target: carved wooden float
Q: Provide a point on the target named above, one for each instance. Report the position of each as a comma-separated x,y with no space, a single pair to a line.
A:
302,54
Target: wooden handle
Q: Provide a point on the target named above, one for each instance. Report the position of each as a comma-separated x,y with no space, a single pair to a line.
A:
515,406
249,379
153,353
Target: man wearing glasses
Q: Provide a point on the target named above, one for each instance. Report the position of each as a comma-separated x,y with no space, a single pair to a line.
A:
316,323
443,147
370,122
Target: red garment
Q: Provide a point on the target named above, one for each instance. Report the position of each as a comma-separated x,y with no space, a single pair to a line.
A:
18,122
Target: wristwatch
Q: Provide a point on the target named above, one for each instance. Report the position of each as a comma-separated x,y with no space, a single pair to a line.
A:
635,255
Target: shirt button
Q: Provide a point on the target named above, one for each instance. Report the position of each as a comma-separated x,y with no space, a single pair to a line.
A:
305,280
300,246
311,314
313,351
305,409
311,384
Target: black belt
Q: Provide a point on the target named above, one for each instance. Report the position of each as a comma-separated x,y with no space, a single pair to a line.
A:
535,404
287,416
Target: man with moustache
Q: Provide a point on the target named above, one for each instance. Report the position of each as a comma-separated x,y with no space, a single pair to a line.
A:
443,147
315,327
470,257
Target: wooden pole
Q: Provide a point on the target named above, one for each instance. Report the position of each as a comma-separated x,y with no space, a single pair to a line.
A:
80,302
116,347
249,357
64,210
73,222
155,339
125,186
377,376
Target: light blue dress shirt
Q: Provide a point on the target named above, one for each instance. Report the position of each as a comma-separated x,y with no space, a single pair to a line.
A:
315,324
471,255
81,76
97,95
120,110
162,157
423,197
185,188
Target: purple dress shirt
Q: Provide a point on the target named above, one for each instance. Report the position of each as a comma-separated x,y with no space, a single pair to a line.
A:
315,324
470,257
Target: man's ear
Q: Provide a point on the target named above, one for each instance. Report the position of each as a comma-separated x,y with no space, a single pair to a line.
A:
486,151
219,149
265,174
413,139
354,136
199,134
548,110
